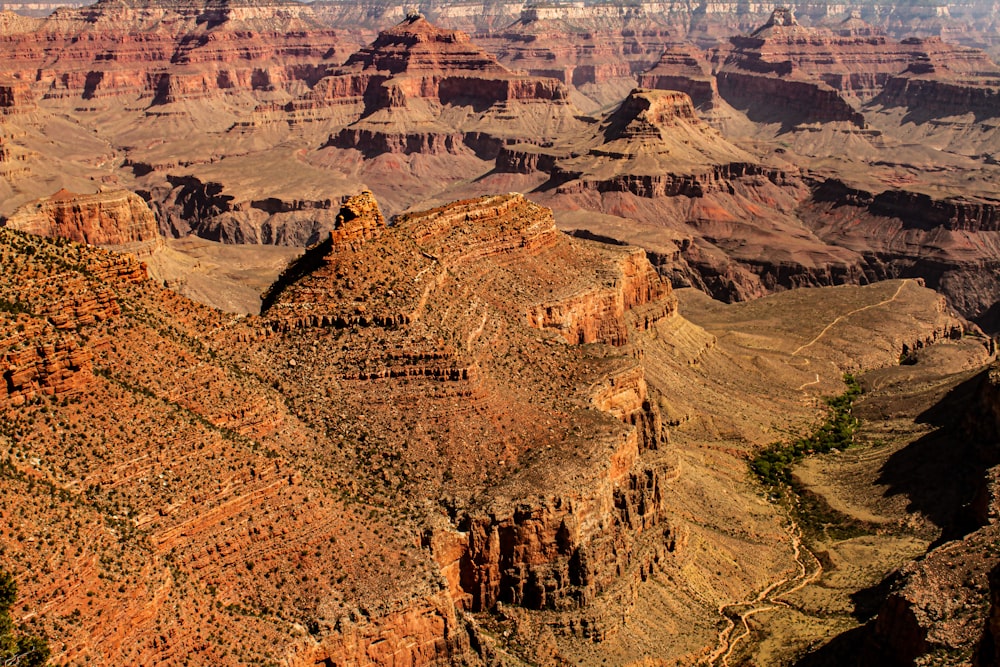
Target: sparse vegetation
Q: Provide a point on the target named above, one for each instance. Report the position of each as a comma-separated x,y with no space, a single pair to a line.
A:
774,463
17,648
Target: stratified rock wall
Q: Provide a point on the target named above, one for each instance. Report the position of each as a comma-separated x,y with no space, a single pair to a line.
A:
118,220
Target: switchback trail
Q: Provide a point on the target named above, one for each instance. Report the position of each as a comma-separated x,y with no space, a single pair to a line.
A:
769,599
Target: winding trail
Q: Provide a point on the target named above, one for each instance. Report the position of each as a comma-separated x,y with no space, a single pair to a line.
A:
809,567
769,599
853,312
807,384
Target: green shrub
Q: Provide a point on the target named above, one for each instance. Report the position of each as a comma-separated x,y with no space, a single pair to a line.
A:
773,464
16,648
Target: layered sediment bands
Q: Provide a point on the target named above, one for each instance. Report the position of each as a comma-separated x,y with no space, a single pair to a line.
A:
118,220
372,142
716,179
653,145
917,210
42,364
909,234
437,305
318,486
39,354
207,516
359,221
789,73
599,315
683,68
420,89
805,101
523,159
445,240
557,556
418,60
15,97
942,97
427,632
599,54
172,53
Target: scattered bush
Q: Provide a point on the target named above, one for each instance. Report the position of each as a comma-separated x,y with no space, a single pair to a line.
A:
773,464
17,649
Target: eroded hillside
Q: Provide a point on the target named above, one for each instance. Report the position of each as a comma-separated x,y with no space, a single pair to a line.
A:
462,437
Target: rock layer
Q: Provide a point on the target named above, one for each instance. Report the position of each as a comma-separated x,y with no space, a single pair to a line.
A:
117,220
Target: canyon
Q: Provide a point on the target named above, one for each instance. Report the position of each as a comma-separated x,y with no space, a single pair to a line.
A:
382,414
276,137
462,435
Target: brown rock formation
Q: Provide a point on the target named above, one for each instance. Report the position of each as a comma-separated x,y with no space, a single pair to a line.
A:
411,72
171,52
786,72
652,144
597,50
118,220
455,412
909,233
682,67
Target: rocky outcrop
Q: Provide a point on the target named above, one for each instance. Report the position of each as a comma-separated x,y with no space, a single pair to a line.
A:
916,210
445,241
653,145
564,550
359,221
427,632
42,364
599,315
418,60
118,220
186,204
403,81
943,604
555,557
15,97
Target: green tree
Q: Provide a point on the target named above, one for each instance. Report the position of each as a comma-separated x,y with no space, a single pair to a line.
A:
16,648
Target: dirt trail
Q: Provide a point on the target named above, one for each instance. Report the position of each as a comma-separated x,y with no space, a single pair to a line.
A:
769,599
846,315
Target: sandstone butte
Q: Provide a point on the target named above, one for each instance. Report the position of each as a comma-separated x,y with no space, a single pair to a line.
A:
464,437
411,78
877,163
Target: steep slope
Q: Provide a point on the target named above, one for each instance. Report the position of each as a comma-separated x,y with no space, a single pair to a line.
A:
444,442
194,529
